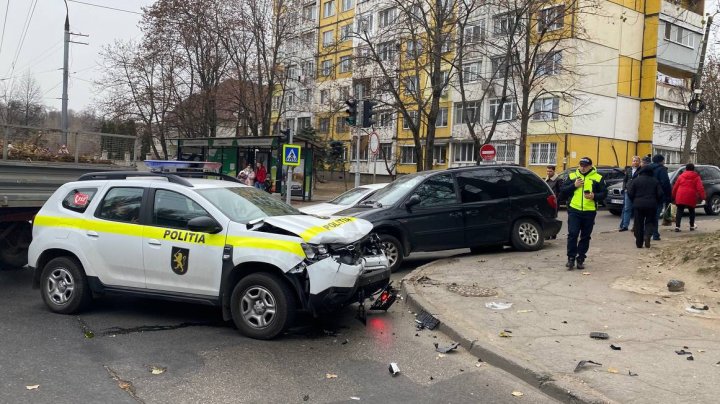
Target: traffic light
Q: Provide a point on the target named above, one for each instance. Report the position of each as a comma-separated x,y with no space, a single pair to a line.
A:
351,111
286,134
367,120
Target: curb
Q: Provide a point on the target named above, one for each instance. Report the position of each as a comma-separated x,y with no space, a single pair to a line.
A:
563,388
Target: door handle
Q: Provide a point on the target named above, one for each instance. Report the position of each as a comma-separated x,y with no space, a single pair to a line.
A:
92,233
154,242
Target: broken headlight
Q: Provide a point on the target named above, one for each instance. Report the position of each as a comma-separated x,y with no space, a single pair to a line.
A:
315,252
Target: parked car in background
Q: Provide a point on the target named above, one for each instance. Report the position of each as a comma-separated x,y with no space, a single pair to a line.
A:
344,201
710,176
612,175
475,207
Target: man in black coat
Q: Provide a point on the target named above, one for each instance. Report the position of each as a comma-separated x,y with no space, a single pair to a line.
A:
660,172
646,194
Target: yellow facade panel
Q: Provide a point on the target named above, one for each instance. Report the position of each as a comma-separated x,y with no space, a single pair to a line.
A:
624,76
650,36
647,120
635,78
652,6
648,79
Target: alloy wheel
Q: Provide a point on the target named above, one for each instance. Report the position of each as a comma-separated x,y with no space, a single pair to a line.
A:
258,307
528,234
60,286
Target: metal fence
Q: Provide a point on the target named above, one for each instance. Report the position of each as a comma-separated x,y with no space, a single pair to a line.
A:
26,143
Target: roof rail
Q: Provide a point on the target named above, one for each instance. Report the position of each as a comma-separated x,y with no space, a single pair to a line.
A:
206,174
122,175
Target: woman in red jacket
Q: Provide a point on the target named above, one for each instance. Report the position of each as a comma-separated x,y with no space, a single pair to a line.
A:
686,193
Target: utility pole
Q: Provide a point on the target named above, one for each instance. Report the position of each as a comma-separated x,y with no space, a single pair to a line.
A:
64,123
696,91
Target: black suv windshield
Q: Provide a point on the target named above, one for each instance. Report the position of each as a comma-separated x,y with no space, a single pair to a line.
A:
392,193
245,204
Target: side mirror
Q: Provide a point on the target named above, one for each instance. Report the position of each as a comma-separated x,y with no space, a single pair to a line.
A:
204,224
414,200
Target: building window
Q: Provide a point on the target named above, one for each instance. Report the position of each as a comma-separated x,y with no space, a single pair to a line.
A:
386,17
276,102
407,155
467,114
671,156
498,66
679,35
386,51
341,125
503,24
386,151
290,95
471,72
324,96
445,81
329,8
363,150
673,117
475,33
347,4
385,119
328,38
546,109
413,117
413,49
509,110
309,12
304,123
290,124
442,118
308,68
345,32
439,154
327,67
365,23
446,45
549,63
324,125
306,95
504,152
344,92
551,19
464,152
345,64
543,153
412,85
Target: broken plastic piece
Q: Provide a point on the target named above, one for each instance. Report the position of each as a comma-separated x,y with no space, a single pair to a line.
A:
683,352
498,305
690,358
394,369
157,370
517,394
32,387
615,348
630,373
504,335
385,299
582,364
426,320
446,349
704,307
612,370
599,335
330,376
355,398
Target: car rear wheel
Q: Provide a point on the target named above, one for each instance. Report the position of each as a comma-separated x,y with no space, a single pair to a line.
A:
262,306
616,212
527,235
394,251
64,286
713,205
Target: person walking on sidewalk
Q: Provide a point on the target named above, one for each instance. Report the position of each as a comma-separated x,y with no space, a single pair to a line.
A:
552,180
260,176
583,189
660,172
630,174
646,194
686,192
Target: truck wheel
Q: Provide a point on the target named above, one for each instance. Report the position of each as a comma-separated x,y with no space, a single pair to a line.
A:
64,286
712,207
262,306
527,235
14,246
394,251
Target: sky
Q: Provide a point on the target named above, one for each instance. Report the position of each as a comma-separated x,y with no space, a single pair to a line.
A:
42,51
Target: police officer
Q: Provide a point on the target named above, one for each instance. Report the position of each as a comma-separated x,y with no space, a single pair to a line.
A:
583,189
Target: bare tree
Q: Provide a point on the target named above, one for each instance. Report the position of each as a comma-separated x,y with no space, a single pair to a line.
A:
708,121
22,103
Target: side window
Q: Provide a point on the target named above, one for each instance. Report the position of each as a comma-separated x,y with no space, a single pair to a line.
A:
524,182
482,185
121,205
437,191
171,209
613,175
708,173
78,200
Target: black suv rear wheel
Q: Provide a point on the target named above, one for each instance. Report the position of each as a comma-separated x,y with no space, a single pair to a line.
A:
713,205
527,235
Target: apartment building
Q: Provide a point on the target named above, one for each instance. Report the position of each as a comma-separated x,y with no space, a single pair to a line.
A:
618,89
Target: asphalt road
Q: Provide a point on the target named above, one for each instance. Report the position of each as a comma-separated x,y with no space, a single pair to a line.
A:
206,360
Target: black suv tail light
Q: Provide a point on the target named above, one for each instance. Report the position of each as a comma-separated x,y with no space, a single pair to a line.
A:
552,201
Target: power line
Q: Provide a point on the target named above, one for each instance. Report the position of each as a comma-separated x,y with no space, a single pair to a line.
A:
105,7
26,28
2,37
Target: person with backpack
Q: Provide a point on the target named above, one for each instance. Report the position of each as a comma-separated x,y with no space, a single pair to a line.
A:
686,192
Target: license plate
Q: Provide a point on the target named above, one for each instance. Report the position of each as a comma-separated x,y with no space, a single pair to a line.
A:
618,201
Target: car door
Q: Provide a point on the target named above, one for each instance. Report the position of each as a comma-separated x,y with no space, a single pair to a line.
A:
176,259
436,223
710,177
485,202
115,238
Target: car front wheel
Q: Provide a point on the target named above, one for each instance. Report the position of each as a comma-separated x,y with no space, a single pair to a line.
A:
393,250
262,306
64,286
713,205
527,235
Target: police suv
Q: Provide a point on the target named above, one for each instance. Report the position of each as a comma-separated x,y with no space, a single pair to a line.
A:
200,240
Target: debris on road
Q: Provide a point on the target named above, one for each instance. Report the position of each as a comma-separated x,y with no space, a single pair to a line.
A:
355,398
426,320
599,335
524,311
505,334
631,373
586,273
683,352
517,394
498,305
615,348
675,285
690,358
703,307
157,370
330,376
582,364
612,370
32,387
446,349
306,397
394,369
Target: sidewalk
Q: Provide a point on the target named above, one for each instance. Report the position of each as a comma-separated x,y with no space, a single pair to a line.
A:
621,292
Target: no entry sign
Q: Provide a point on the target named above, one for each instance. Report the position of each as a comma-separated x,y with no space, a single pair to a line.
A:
487,152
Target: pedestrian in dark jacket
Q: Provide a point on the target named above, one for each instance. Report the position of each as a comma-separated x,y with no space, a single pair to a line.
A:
646,194
552,180
630,174
660,173
686,193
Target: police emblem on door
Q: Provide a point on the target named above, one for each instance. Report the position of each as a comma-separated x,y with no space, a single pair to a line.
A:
179,260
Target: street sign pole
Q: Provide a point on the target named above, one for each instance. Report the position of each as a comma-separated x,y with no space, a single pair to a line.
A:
288,181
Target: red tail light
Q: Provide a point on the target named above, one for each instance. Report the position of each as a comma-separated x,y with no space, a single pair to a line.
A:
552,201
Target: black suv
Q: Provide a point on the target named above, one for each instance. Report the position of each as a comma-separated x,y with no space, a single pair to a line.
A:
476,207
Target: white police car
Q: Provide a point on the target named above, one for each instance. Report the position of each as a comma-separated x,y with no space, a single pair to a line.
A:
200,240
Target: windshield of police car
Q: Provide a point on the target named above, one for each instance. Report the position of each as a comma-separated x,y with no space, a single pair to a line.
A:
245,204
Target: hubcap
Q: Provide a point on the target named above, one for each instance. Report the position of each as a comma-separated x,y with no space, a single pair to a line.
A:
60,286
258,307
715,205
528,234
391,251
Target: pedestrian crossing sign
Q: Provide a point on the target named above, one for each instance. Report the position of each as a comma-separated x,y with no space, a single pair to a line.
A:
291,155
